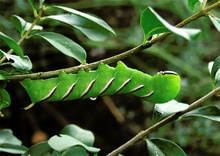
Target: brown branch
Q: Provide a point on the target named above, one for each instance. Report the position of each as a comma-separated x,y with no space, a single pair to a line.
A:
163,122
93,65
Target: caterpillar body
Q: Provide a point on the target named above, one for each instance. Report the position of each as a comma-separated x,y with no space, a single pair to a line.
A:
106,80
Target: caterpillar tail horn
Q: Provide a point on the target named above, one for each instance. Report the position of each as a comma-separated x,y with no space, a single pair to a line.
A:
1,114
29,106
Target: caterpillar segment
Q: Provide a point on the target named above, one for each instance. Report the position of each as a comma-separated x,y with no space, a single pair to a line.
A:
49,94
106,80
108,84
70,89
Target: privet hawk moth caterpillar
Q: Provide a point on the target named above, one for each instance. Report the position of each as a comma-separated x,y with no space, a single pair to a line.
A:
106,80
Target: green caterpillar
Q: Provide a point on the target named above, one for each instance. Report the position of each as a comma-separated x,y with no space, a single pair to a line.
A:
106,80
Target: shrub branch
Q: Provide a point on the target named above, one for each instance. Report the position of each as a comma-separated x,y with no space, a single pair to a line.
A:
143,134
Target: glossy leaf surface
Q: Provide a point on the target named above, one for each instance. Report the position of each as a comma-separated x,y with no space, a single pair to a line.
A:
208,112
39,149
215,66
12,44
5,99
64,45
163,110
22,63
94,28
22,26
192,4
153,24
62,142
80,134
75,151
9,143
33,7
163,147
215,21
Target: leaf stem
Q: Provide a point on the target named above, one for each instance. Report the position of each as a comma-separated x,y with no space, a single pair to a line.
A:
26,34
204,4
163,122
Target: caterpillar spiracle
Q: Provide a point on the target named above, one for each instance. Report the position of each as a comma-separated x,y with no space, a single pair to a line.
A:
106,80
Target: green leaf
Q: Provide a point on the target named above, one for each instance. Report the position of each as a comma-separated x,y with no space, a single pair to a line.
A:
14,149
5,99
192,4
215,21
214,70
208,112
40,149
94,28
163,147
33,7
18,22
23,63
152,24
62,142
41,2
65,45
3,74
22,26
6,136
75,151
163,110
12,44
80,134
9,143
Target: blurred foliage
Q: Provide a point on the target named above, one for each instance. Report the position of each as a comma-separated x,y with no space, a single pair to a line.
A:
189,59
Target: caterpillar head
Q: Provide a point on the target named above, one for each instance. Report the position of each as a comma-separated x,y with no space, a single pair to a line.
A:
166,85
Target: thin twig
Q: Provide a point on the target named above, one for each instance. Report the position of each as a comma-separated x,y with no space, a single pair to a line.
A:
25,35
143,134
204,4
115,58
93,65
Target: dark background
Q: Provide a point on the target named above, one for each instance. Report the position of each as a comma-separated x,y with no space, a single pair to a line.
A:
189,59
